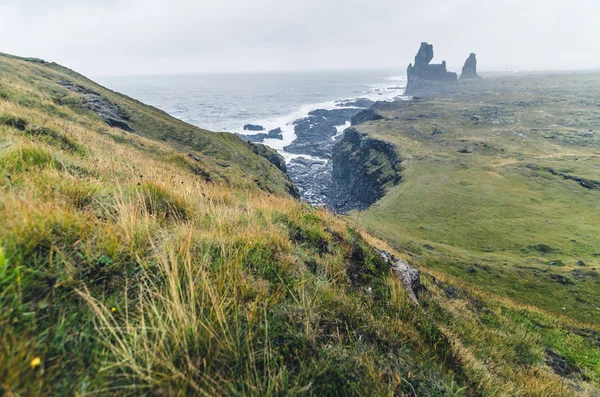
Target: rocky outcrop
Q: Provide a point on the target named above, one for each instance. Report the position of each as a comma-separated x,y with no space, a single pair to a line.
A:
253,127
270,154
314,133
278,161
365,115
362,169
425,78
410,277
260,137
469,70
109,112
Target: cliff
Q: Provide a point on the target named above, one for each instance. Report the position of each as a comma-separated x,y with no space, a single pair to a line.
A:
362,169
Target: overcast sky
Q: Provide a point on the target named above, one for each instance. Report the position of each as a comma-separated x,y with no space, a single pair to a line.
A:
123,37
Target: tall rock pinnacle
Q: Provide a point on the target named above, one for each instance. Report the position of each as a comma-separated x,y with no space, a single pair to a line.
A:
469,71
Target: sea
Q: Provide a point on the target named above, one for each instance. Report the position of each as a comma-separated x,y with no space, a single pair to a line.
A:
227,102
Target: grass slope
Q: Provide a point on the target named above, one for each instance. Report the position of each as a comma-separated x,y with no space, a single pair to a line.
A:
131,274
222,156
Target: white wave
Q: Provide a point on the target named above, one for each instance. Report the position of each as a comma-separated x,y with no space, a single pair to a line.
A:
340,130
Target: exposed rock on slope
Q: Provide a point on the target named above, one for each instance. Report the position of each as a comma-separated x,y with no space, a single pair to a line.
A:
426,78
410,277
277,160
109,112
469,70
362,168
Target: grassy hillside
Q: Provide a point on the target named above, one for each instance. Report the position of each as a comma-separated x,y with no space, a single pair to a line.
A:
35,84
124,270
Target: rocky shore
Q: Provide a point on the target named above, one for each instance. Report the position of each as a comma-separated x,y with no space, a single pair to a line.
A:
341,170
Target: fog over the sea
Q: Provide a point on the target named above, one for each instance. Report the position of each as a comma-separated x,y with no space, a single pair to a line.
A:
121,37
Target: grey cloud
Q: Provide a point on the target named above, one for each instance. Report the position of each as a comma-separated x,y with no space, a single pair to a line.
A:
186,36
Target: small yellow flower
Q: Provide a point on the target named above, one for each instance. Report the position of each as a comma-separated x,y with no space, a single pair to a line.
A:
35,362
113,309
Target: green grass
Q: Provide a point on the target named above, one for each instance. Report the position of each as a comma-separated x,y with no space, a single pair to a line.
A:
495,205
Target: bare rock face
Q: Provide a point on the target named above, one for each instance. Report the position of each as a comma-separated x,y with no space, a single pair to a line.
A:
425,78
363,168
469,70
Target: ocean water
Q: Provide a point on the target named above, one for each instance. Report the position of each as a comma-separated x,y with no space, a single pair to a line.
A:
226,102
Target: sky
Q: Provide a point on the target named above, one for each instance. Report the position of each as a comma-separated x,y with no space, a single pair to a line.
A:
140,37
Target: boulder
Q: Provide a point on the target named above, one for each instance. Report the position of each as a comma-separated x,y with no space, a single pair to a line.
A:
275,133
469,70
410,277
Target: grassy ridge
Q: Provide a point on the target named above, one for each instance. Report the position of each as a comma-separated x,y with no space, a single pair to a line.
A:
123,270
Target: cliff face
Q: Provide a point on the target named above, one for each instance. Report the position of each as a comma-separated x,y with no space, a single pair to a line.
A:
362,168
426,78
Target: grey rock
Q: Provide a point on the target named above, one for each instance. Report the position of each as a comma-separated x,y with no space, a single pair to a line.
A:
275,133
253,127
410,277
386,257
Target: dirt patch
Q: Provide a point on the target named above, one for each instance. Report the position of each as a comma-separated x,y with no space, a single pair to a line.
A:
560,365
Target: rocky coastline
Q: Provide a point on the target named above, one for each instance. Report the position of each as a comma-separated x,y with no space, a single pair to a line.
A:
342,171
337,166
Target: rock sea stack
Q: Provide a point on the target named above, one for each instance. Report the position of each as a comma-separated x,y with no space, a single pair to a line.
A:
425,78
469,70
